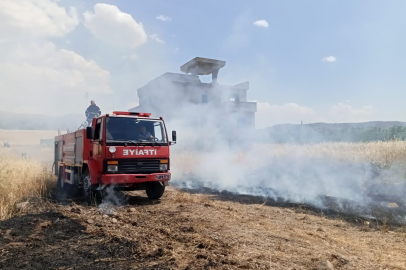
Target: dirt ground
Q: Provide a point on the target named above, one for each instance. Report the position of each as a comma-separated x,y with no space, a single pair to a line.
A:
193,231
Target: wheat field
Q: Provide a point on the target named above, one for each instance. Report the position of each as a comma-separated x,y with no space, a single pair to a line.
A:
21,179
380,154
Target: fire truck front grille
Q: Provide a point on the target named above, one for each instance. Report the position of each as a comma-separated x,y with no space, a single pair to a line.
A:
139,166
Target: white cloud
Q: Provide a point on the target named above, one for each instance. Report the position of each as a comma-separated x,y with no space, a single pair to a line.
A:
345,113
35,18
269,115
42,79
35,75
155,38
261,23
330,59
164,18
110,24
133,56
130,57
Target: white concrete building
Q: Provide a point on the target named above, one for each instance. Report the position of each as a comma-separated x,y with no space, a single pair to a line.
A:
170,92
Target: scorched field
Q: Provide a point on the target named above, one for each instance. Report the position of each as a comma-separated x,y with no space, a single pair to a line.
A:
192,229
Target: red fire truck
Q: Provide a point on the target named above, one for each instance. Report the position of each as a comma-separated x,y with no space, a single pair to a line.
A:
126,149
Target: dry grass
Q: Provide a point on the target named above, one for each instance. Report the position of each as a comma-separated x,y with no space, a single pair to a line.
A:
20,179
381,153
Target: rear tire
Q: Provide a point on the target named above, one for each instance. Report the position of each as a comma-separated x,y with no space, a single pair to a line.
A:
59,185
65,190
155,191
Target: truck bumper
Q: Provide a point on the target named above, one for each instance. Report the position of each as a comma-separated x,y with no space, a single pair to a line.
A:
127,179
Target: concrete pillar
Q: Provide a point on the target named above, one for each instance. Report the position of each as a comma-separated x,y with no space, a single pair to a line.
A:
214,75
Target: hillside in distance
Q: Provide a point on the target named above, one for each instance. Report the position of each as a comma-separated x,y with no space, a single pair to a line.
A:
365,125
10,120
326,132
282,133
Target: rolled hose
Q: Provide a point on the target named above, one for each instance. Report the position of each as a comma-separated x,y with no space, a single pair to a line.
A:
52,168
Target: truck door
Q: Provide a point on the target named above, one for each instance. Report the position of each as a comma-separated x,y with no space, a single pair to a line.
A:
98,143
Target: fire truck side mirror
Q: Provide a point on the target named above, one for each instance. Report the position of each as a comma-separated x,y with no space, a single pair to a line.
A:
174,135
89,133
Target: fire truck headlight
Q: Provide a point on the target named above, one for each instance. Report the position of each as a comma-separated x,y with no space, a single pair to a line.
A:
112,168
163,167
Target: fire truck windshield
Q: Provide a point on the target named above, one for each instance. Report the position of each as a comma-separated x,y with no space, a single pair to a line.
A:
135,130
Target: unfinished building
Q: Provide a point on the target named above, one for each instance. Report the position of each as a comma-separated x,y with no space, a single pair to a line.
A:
169,94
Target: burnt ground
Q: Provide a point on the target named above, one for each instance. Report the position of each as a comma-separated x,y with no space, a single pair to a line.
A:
194,231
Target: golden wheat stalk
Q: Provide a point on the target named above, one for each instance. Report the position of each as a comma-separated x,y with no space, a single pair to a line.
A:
20,179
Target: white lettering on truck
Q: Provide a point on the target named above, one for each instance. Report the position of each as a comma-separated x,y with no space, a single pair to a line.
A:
127,152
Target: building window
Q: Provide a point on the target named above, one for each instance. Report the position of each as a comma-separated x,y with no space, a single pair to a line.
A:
235,97
204,99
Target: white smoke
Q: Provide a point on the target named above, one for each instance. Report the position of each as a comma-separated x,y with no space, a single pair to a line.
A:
214,152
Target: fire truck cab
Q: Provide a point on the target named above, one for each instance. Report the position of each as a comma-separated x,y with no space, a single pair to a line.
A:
127,150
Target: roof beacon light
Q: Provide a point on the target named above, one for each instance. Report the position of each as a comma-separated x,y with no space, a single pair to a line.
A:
133,113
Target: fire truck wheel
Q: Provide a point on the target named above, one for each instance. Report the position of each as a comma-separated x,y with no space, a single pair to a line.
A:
60,181
155,191
87,190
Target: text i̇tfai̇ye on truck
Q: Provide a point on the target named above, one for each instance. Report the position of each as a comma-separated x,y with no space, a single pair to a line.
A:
124,149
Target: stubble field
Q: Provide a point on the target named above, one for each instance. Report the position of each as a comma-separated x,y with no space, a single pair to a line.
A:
187,229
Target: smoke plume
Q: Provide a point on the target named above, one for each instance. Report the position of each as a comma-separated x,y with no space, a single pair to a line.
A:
214,151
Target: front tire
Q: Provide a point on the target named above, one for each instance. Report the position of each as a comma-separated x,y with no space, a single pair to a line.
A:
155,191
87,188
89,191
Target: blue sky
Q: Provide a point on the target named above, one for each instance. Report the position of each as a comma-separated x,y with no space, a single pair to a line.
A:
283,61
